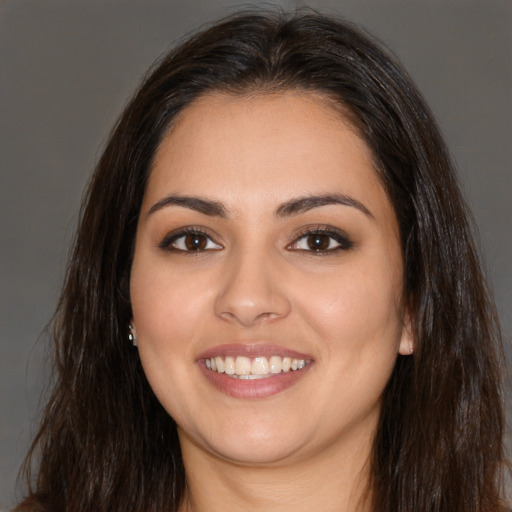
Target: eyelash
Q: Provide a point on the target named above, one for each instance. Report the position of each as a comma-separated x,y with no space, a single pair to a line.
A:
341,238
172,238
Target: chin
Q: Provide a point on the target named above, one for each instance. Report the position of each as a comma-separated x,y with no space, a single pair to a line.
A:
255,452
247,445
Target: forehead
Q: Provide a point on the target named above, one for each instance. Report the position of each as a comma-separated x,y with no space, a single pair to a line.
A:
264,147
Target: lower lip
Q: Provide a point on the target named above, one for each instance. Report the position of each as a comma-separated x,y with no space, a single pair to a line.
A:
256,388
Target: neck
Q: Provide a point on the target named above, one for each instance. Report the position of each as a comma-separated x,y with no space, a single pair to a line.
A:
331,480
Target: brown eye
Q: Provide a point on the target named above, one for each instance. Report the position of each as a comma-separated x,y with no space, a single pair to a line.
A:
189,241
322,241
318,242
195,242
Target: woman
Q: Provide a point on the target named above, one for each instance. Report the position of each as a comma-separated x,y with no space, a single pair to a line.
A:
274,300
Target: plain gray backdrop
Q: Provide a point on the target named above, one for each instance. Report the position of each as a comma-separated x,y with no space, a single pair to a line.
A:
67,68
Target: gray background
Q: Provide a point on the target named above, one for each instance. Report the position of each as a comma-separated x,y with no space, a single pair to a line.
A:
66,70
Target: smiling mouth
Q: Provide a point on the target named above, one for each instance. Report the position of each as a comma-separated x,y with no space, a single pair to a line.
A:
252,368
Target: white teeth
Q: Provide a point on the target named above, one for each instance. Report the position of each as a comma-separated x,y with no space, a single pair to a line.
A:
219,362
260,366
275,364
257,368
229,365
242,365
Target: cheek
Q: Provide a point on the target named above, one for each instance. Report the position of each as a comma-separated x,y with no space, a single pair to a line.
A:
167,308
355,308
167,312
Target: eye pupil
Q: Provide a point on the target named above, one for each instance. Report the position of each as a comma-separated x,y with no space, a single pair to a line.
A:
195,242
318,242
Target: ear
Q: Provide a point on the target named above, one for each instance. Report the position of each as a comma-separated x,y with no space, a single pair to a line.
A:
407,343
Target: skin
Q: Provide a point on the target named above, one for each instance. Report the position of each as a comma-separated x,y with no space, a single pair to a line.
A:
257,281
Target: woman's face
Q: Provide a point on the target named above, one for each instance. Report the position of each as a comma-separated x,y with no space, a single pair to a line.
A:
265,243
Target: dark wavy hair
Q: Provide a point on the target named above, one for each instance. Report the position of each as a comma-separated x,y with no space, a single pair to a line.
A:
105,443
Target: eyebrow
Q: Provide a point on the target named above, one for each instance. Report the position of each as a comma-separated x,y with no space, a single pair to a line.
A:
304,204
205,206
292,207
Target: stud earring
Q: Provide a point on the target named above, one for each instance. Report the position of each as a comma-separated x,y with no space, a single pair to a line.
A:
132,336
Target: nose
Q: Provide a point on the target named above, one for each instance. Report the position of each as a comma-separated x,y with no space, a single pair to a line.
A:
252,291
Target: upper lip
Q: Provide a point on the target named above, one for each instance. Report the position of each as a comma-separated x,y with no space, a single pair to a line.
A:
253,349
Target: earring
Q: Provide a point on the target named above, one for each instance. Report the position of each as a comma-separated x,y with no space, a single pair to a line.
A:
132,336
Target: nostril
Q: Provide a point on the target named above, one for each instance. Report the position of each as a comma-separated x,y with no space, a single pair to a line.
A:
264,316
248,317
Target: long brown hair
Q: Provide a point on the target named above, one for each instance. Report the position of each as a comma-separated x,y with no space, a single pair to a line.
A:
105,443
